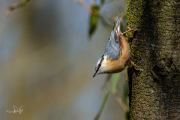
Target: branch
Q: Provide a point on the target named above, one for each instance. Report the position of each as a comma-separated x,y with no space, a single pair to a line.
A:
16,6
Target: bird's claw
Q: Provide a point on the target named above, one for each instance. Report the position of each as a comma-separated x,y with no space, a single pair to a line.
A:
136,67
130,29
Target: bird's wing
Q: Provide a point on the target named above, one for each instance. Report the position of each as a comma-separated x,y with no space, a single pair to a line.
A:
113,47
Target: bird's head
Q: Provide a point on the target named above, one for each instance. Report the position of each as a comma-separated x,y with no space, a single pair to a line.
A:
101,66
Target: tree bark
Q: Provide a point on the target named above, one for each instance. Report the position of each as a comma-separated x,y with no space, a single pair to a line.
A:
155,47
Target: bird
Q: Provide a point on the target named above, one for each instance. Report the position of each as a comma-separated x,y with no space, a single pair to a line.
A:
117,53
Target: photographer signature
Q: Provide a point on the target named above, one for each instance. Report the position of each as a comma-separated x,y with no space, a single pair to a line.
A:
16,110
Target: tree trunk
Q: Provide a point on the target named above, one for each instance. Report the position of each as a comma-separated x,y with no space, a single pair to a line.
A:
155,47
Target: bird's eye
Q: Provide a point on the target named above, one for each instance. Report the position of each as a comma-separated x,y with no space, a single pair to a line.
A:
99,63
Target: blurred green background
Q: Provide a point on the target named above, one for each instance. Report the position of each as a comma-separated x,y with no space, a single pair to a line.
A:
47,61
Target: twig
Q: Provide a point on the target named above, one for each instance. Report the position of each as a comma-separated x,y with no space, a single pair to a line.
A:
102,106
16,6
83,3
75,1
120,101
115,93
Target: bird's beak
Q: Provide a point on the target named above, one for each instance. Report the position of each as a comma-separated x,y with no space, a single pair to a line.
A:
96,73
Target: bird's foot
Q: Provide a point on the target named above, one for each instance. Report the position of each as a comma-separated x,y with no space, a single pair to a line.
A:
130,29
136,67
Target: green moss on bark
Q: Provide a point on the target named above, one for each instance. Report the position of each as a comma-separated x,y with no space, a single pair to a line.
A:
155,48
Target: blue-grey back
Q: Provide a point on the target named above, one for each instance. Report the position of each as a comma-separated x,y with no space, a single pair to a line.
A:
113,47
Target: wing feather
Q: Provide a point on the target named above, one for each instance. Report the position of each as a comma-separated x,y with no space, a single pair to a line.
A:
113,47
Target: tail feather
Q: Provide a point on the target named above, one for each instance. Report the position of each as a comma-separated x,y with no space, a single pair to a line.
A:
117,26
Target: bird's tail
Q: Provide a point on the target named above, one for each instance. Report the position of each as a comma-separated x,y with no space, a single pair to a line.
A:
117,25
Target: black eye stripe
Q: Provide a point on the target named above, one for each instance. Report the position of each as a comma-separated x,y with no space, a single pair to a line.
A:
99,65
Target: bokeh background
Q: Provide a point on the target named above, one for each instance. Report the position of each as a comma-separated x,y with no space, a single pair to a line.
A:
47,61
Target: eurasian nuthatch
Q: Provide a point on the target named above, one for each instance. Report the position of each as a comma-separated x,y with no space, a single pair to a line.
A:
116,55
